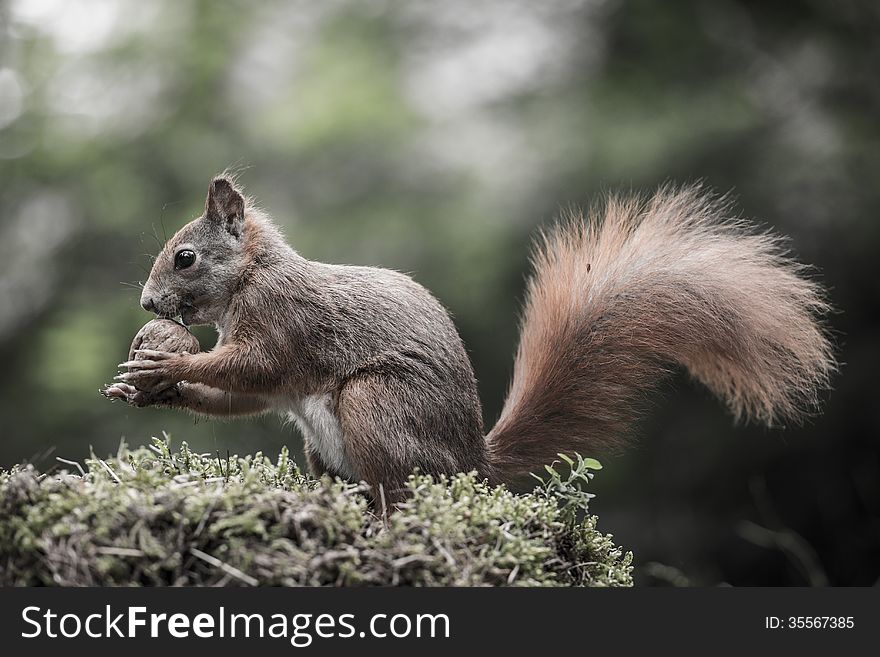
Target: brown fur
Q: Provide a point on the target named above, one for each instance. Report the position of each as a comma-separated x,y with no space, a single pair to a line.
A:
640,286
371,367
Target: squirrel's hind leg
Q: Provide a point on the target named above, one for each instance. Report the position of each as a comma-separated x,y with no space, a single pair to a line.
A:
385,436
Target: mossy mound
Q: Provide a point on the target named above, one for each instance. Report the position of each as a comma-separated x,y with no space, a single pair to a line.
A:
151,516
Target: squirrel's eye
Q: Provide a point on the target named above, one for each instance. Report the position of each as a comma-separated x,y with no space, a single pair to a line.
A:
184,259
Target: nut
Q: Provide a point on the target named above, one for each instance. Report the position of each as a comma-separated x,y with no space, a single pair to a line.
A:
164,335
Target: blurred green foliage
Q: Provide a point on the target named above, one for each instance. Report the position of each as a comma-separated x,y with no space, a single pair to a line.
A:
435,138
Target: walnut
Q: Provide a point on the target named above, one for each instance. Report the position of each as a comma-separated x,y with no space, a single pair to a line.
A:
164,335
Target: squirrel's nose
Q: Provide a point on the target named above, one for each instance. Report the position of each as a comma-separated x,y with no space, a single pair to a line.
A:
148,304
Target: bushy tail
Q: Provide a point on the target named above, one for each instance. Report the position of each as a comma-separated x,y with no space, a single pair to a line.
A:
619,299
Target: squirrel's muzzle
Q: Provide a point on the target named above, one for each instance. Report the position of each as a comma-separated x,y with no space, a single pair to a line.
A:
147,303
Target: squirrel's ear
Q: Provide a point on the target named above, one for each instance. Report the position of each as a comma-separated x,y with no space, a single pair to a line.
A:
225,205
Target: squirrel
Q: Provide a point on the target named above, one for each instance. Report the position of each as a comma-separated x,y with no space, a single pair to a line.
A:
370,366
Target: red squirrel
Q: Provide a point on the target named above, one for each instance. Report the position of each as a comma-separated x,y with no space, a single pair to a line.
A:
371,368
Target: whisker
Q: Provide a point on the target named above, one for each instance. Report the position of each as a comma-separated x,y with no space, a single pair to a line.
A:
155,239
162,218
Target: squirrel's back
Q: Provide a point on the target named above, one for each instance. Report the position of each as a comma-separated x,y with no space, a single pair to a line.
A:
340,329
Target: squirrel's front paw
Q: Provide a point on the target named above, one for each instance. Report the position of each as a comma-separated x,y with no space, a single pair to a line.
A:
150,371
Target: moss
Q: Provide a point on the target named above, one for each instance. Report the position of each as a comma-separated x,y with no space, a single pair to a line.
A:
152,516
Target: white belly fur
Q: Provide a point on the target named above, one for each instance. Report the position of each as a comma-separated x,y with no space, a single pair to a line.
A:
320,427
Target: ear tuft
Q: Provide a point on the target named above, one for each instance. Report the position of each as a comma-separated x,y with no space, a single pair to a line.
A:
225,205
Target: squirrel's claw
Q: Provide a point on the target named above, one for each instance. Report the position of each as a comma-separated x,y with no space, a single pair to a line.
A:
152,372
118,390
125,392
152,354
145,379
150,359
111,392
140,398
140,365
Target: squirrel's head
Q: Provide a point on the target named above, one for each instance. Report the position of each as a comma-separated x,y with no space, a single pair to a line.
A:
195,274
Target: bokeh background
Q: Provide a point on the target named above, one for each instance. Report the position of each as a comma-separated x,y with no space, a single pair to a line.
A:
434,138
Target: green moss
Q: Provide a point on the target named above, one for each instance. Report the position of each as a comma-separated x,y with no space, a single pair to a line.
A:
150,516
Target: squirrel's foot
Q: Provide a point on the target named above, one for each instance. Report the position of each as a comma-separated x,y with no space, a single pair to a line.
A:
127,393
134,397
